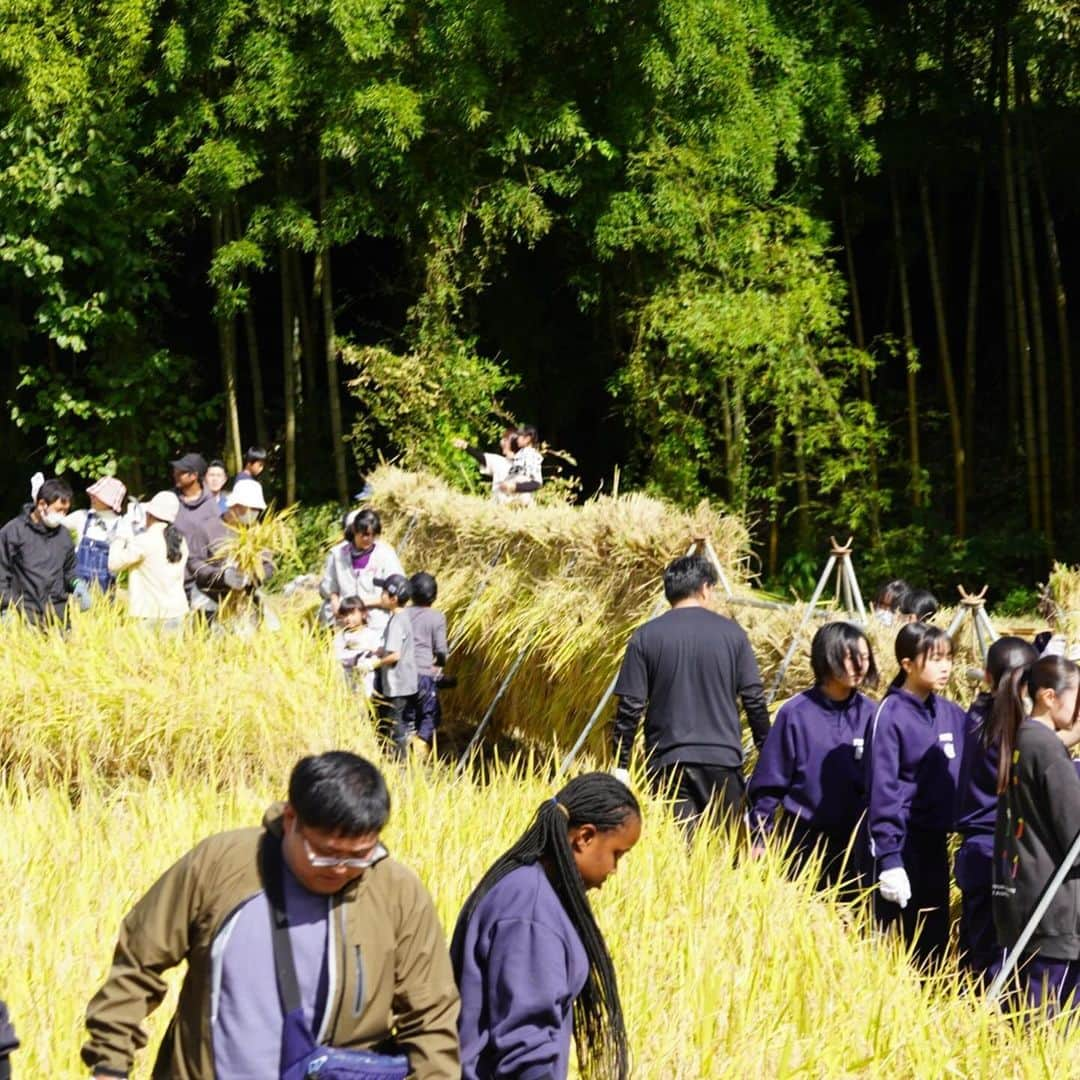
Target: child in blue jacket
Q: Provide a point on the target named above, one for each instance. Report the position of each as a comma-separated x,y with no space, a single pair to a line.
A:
912,766
812,760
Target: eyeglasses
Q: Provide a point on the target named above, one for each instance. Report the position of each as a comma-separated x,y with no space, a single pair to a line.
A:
327,862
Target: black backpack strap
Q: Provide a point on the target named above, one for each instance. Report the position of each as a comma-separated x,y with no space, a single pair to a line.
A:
273,871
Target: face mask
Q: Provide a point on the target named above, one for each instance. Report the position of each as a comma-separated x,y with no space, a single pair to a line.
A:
51,520
248,517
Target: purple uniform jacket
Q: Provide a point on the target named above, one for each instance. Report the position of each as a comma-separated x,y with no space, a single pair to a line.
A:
912,764
811,763
976,795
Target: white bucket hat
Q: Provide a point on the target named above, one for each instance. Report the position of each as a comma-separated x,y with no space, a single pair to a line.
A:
164,506
247,493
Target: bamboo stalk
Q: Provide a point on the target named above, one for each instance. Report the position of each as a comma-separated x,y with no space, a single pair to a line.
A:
911,359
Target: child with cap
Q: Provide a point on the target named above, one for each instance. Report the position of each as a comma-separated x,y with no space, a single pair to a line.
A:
395,662
93,531
423,713
356,644
155,561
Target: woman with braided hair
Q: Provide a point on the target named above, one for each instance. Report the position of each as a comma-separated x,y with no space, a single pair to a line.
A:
529,959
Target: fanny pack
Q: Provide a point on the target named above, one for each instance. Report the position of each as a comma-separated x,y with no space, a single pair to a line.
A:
301,1055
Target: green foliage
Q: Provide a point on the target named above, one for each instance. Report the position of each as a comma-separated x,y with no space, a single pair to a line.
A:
414,403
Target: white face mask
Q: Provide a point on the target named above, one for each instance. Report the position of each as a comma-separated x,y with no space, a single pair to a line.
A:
51,519
248,517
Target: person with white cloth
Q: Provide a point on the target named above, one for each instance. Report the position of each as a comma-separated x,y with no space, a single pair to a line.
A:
155,560
494,466
353,565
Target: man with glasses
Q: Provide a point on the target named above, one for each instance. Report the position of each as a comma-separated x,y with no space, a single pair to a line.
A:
371,961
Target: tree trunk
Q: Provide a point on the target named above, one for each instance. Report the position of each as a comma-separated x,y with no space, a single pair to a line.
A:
1039,342
970,336
738,424
251,338
729,435
775,500
226,326
1061,307
1011,353
864,373
956,429
1017,283
288,368
911,360
802,492
333,389
307,392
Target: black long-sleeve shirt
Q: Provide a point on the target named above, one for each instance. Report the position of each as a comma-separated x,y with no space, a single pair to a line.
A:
685,671
1038,817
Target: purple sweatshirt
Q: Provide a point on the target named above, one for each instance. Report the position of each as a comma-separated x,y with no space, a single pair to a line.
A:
976,793
520,965
912,763
811,763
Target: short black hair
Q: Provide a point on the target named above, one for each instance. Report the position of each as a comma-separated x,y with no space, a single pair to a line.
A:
832,645
891,594
424,589
255,453
919,602
687,576
217,463
349,604
366,520
340,792
52,490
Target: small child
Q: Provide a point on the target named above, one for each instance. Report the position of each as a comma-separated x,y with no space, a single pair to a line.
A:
355,644
423,714
395,663
526,467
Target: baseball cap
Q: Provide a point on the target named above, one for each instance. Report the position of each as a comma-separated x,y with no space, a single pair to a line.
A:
247,493
195,463
396,585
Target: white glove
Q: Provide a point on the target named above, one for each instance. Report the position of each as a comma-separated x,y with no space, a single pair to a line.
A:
622,775
894,886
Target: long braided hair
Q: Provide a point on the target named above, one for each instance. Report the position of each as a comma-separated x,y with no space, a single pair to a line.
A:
599,800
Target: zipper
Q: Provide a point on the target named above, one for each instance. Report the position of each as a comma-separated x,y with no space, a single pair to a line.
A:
358,1000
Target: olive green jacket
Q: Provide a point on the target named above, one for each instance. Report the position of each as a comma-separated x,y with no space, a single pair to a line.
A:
389,968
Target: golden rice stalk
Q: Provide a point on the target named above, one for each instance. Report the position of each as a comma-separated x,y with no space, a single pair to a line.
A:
273,534
1063,593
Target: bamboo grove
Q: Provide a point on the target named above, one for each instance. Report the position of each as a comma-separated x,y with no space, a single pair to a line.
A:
811,260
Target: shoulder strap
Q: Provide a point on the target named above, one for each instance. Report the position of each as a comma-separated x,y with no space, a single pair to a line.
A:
274,886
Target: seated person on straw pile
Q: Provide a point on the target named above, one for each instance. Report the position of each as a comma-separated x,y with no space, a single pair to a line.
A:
37,556
217,575
495,466
311,894
685,672
356,645
526,467
353,565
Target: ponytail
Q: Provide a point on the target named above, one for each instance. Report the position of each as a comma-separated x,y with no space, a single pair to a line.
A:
174,542
1048,673
599,800
918,641
1003,658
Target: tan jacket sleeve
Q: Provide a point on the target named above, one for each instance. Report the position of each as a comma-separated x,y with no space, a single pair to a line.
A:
426,1002
154,937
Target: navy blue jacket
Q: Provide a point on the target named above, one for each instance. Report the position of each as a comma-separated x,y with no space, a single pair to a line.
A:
811,763
912,765
976,794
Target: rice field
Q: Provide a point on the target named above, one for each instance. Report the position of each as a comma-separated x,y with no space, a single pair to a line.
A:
119,750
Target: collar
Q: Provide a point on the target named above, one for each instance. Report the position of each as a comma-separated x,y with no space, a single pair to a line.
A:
821,699
927,707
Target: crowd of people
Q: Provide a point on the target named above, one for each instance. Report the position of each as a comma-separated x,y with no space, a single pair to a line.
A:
308,947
